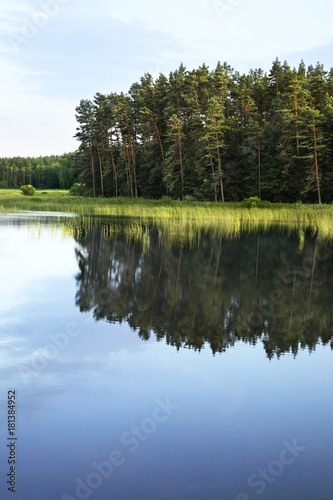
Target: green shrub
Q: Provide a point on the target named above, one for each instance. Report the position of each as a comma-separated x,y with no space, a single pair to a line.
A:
255,202
166,200
78,189
28,190
188,198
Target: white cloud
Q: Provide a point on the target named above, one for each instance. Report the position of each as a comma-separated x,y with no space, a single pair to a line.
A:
12,18
37,117
235,29
32,120
8,5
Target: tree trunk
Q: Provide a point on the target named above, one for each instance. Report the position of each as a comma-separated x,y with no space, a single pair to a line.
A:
181,163
92,170
219,162
297,132
213,171
159,140
100,169
128,168
108,140
316,160
115,175
259,167
133,155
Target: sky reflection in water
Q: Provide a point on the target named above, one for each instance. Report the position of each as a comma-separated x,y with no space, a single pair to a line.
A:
86,388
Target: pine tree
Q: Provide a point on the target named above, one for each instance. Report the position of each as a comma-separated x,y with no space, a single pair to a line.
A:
85,134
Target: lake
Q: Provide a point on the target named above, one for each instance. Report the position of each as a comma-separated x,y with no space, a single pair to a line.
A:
147,367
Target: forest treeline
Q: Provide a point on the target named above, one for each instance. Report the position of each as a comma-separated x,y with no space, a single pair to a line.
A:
212,135
44,172
201,134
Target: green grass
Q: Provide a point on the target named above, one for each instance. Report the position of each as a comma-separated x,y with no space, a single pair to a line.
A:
182,221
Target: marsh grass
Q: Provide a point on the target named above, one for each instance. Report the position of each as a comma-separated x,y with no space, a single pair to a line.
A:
180,223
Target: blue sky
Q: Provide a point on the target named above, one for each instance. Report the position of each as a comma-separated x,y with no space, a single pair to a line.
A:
55,52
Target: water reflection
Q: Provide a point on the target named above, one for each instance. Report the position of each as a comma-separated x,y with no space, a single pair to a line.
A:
265,288
78,395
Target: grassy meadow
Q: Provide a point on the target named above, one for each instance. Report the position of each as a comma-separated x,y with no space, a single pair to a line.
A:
179,222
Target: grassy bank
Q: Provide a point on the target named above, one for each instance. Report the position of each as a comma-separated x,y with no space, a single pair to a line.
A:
174,219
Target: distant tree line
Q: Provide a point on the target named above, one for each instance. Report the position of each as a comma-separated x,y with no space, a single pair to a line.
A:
45,172
212,135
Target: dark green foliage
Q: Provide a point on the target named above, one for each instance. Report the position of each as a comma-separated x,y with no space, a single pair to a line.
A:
212,135
78,189
28,190
45,172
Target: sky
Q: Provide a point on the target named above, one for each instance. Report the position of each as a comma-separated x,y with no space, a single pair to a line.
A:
53,53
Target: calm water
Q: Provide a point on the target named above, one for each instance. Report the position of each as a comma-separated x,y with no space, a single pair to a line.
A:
165,373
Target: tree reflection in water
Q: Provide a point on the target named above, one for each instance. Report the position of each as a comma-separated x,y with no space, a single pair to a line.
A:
255,288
